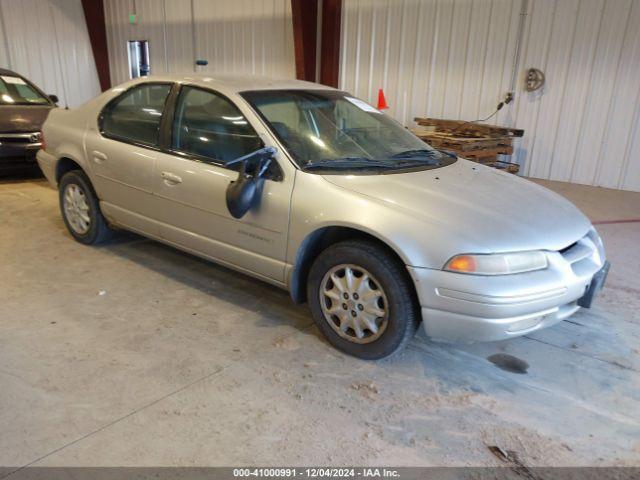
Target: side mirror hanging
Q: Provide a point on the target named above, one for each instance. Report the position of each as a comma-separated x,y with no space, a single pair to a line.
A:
241,194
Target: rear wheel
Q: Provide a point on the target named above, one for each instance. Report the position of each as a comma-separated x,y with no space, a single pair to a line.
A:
81,209
362,300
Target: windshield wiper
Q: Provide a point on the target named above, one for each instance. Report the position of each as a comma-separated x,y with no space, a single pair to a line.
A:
420,157
348,163
420,153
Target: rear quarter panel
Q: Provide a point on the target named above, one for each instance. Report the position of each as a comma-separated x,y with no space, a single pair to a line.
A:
64,131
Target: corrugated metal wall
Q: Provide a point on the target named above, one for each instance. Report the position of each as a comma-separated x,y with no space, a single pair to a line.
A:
235,36
454,59
47,42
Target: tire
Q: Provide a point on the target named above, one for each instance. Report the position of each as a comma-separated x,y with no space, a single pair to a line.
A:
388,290
92,229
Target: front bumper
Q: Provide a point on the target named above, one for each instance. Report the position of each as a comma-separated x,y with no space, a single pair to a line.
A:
472,308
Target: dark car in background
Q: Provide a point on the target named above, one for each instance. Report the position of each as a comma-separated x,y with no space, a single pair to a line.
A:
23,110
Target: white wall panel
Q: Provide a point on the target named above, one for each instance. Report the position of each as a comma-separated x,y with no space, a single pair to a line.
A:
454,59
436,84
47,41
180,36
597,115
624,109
4,42
150,27
234,36
629,150
457,59
580,65
556,52
245,36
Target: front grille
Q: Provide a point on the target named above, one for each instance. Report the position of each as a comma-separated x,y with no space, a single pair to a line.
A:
565,249
584,255
579,251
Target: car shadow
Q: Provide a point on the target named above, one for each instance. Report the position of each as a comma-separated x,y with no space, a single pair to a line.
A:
274,304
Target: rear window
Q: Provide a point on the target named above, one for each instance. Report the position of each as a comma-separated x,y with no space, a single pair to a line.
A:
135,115
16,91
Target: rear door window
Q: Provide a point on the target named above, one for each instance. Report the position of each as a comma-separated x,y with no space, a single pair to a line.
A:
135,116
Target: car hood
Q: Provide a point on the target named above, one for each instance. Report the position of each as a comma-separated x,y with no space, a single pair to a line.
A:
483,209
23,118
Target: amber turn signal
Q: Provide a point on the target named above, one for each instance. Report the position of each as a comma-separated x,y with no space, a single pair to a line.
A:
462,263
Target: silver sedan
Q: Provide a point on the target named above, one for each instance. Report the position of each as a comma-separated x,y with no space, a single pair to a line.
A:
317,192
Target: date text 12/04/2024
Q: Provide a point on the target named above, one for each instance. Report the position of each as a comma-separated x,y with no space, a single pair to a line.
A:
316,472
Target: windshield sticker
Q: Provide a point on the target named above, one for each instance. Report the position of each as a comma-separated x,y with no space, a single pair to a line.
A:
362,105
14,80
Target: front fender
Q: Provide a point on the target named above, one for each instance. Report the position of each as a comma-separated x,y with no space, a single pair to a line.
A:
317,204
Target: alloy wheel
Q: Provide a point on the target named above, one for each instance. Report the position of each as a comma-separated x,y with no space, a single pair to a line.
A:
354,303
76,208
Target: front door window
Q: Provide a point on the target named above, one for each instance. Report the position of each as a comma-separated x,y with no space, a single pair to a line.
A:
208,126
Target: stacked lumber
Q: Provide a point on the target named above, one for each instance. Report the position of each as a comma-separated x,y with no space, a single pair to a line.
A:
474,141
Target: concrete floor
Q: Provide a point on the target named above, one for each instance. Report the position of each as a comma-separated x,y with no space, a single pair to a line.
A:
137,354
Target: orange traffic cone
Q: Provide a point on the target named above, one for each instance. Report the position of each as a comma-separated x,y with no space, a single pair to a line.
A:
382,102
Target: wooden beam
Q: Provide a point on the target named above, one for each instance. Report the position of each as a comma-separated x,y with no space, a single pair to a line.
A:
96,26
305,28
330,44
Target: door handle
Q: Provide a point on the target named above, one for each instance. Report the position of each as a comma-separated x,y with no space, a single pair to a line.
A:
171,178
98,157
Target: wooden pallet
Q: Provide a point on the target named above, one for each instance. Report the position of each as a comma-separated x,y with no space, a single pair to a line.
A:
463,144
477,142
468,128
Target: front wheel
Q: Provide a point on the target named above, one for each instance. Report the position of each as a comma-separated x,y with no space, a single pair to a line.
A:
362,299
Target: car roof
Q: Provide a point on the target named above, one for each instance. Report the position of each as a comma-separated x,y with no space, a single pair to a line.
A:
237,83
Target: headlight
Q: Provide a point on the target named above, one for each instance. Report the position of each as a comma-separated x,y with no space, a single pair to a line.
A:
497,264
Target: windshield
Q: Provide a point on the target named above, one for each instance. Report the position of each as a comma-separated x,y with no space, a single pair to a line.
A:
15,91
330,129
